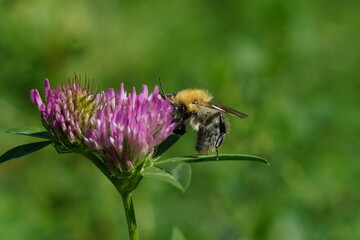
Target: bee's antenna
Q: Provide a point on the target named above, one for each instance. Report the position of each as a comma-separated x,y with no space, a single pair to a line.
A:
162,89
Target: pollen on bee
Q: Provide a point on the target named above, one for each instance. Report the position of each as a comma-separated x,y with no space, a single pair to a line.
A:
189,96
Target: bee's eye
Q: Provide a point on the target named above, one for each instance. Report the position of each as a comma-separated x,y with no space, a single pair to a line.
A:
182,108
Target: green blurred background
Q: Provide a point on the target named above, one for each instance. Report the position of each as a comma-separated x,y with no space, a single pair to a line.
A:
293,66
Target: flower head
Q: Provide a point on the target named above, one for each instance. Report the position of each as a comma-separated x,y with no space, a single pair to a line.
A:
66,113
128,127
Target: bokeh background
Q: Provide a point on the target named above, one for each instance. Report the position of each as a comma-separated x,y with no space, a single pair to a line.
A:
293,66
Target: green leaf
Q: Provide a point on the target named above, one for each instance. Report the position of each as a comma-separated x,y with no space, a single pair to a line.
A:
212,158
177,174
30,131
166,144
23,150
177,234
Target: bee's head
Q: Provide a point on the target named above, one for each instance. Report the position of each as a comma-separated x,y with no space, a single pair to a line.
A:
182,109
179,111
189,97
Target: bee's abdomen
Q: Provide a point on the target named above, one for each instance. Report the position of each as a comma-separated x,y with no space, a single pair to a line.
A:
206,140
210,131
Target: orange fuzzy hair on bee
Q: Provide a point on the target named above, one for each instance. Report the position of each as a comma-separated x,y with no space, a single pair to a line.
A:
189,96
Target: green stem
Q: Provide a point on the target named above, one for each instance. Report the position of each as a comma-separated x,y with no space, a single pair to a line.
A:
124,186
130,215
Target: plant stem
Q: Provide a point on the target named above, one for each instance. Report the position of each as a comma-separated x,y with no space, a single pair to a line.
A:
130,215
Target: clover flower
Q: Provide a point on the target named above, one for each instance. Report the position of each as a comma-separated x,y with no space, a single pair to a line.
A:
126,130
66,113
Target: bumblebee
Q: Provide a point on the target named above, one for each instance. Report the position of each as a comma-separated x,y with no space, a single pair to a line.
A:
194,107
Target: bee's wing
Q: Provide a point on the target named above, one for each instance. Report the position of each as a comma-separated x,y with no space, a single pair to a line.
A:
223,109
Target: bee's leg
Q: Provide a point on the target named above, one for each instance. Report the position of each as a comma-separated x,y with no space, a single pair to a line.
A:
180,115
180,130
222,131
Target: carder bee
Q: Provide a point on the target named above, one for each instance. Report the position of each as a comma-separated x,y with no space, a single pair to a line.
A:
194,107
